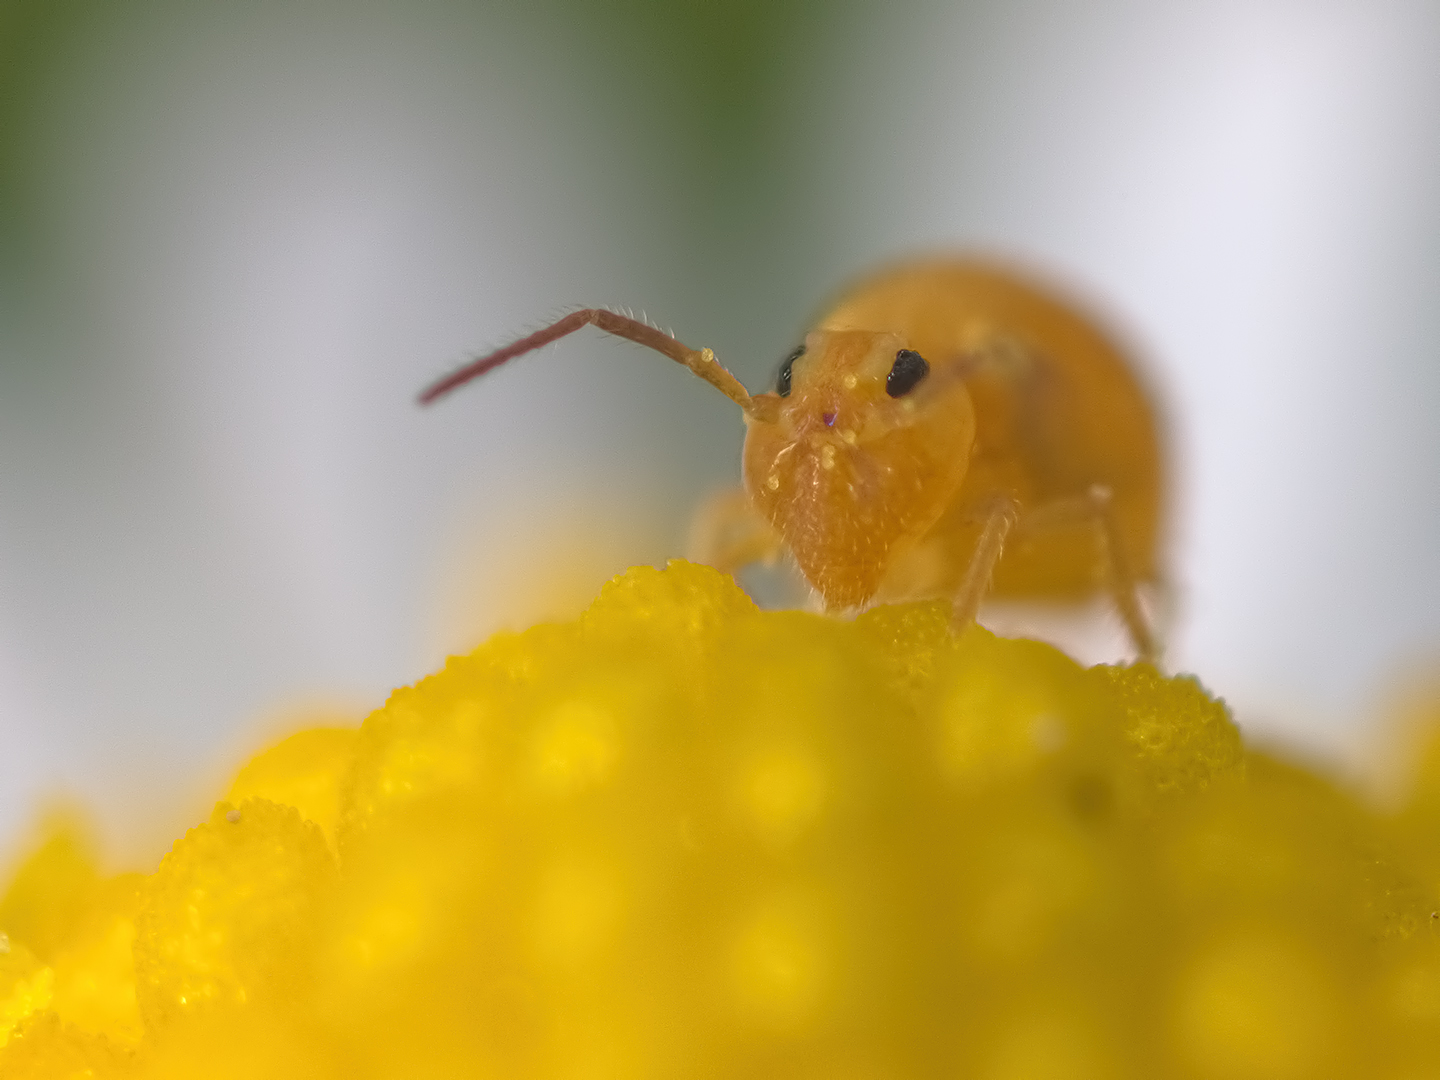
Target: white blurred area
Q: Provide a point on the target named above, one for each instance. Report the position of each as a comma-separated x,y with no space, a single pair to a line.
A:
265,228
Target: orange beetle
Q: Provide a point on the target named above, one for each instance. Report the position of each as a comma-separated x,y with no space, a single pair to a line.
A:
935,412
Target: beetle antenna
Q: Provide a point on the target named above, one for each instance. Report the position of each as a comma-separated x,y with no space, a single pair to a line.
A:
702,362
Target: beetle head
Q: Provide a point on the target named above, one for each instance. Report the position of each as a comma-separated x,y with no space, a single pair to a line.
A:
856,454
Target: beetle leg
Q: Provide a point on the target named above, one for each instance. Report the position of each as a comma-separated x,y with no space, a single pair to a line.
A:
1000,517
1033,381
1096,506
728,533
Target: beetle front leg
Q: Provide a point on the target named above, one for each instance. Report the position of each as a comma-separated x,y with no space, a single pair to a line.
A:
728,533
1000,517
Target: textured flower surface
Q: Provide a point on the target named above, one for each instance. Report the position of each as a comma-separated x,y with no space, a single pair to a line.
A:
681,837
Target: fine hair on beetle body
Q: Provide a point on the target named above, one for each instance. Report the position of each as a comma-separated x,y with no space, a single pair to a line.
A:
946,429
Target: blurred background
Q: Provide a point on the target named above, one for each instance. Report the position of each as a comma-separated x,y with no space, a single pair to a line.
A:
236,239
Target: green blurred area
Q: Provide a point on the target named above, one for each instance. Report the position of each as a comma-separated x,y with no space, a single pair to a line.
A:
34,35
713,74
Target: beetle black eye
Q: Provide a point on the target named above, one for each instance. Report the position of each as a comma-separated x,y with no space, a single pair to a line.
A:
909,368
782,380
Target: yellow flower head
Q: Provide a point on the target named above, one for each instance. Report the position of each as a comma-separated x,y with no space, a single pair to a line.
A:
682,837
